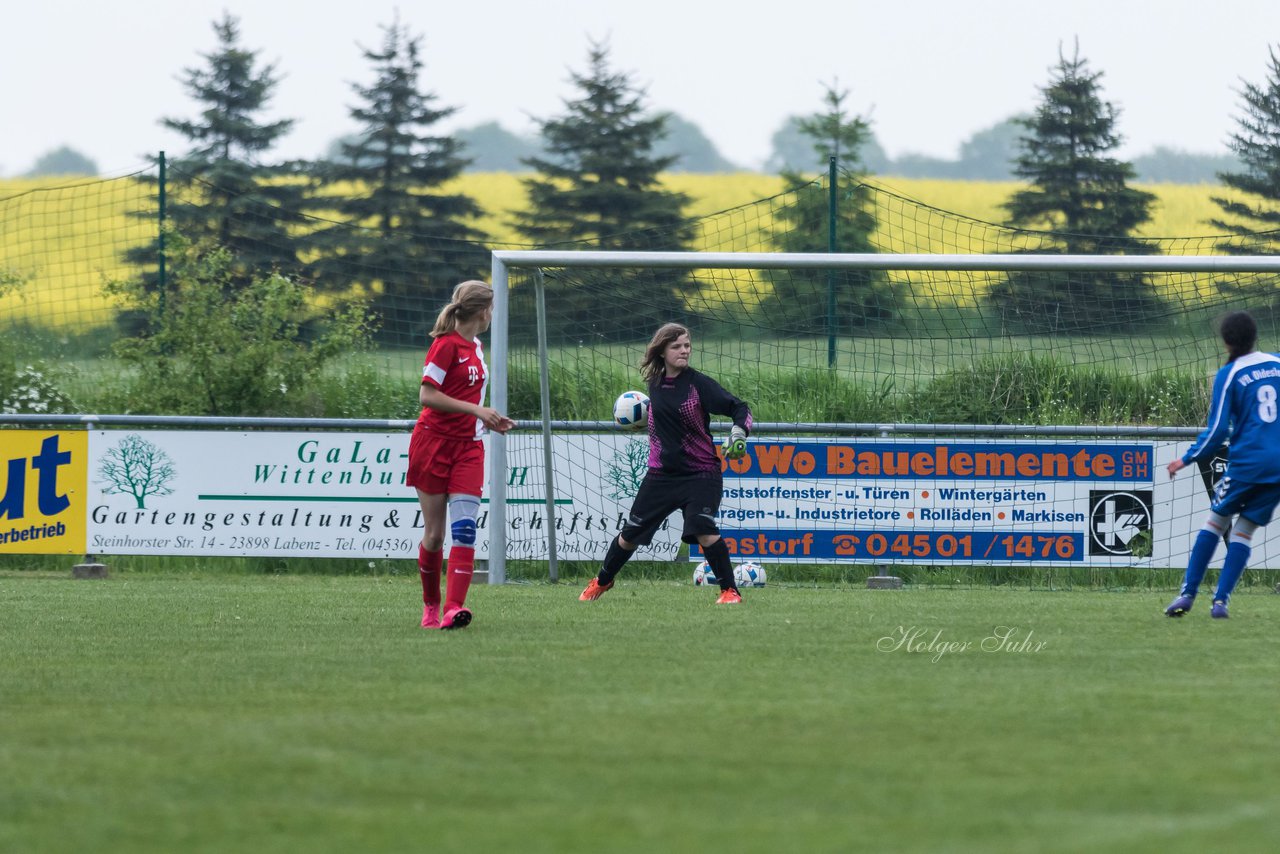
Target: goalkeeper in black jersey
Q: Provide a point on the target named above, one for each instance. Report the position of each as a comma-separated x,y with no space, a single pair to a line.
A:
684,468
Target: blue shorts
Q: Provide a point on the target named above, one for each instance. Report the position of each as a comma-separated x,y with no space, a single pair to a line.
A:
1254,501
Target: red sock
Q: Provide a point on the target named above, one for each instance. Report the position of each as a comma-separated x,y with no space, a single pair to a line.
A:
462,560
429,571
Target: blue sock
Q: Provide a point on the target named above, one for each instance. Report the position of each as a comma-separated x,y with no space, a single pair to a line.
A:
1232,569
1198,565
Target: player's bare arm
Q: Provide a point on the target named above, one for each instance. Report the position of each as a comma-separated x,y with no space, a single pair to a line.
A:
430,396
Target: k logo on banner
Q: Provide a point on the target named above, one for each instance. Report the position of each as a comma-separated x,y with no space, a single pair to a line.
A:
1120,523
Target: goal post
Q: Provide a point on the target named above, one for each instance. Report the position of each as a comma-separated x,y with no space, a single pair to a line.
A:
907,323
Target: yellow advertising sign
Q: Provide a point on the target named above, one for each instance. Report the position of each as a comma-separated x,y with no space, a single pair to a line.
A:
43,477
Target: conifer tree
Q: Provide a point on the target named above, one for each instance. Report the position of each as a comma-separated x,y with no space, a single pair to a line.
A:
1079,194
598,186
800,300
401,236
1256,143
221,192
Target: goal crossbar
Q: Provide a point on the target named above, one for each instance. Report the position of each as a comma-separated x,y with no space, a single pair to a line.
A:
533,258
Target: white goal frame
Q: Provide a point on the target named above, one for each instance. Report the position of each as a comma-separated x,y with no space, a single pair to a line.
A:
506,260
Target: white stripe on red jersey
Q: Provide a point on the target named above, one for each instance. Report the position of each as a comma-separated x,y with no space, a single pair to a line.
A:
456,367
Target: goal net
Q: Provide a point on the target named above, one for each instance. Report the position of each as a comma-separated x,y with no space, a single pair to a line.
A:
922,410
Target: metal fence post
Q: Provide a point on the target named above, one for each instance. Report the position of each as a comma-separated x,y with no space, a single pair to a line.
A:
831,273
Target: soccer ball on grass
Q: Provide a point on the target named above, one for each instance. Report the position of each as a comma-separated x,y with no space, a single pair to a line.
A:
631,409
749,574
703,575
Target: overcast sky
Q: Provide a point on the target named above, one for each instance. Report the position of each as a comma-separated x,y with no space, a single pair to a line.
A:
98,76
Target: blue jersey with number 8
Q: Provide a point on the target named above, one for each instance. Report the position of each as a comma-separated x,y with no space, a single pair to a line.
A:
1244,409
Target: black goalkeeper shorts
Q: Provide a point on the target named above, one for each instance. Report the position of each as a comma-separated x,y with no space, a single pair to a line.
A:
697,496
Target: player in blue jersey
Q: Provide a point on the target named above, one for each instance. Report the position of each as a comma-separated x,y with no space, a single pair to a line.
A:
684,469
1246,397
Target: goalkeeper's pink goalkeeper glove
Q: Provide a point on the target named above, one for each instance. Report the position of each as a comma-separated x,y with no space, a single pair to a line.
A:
735,445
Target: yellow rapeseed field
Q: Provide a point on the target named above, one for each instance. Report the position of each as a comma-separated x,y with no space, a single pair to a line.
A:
65,237
1181,210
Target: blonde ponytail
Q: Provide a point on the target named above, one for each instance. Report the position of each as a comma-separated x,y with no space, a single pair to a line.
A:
470,298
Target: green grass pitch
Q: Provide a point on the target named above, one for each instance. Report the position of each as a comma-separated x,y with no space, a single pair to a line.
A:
160,713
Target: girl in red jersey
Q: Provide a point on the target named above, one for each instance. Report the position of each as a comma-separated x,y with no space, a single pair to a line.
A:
446,454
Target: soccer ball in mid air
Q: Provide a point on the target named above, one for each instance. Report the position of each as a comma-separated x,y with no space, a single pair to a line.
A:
703,575
749,574
631,409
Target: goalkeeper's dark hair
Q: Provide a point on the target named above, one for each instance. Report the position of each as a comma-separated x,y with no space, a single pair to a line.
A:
652,365
470,298
1239,332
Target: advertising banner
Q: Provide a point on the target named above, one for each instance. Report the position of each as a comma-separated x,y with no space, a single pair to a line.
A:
966,502
337,495
874,501
42,491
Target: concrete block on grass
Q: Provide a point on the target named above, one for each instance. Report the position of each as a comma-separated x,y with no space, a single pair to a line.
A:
89,570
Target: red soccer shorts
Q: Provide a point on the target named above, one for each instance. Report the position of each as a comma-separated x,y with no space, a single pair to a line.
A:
444,465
